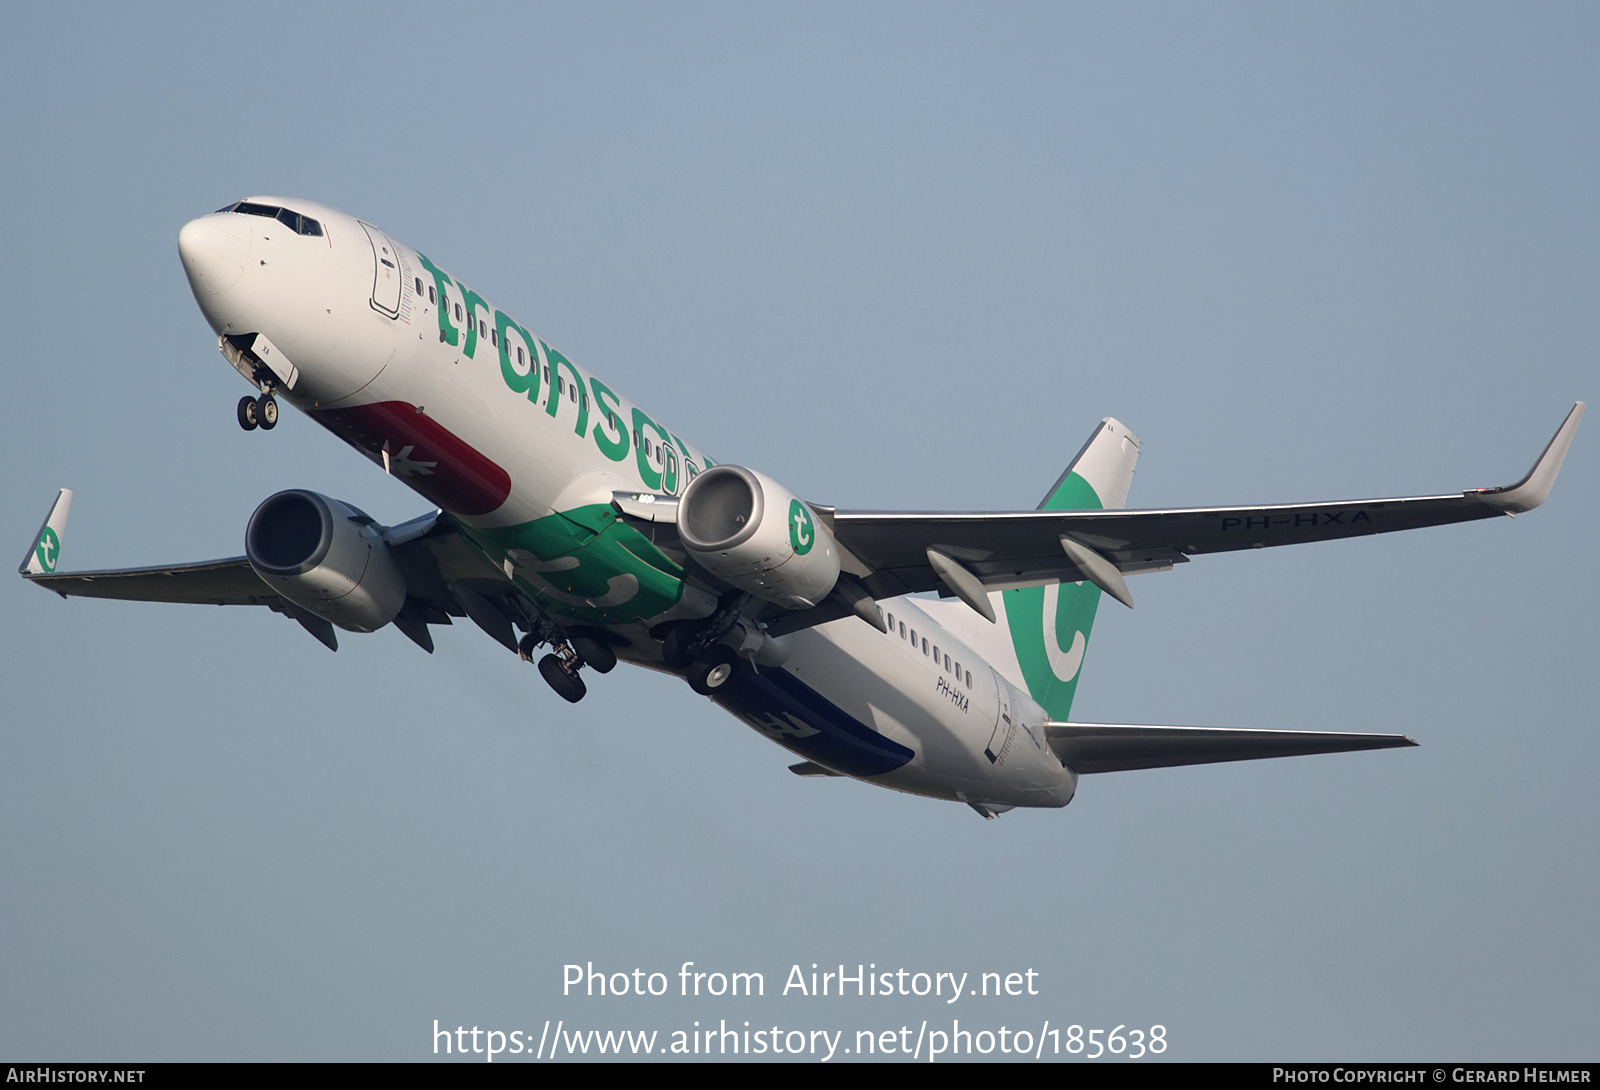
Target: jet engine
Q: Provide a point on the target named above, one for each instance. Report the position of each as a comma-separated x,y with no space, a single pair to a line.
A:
326,557
746,528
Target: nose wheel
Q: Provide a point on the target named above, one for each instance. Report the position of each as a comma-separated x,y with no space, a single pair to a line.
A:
258,412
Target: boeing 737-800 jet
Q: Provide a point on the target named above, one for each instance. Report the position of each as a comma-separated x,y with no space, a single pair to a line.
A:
571,519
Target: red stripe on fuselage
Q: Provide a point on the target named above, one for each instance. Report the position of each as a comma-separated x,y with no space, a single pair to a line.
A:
460,479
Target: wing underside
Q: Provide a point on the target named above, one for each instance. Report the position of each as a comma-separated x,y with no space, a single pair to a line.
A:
230,582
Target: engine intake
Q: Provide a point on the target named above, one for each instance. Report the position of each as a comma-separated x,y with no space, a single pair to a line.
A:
326,557
747,529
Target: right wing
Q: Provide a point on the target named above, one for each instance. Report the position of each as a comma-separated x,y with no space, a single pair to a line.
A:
230,582
428,549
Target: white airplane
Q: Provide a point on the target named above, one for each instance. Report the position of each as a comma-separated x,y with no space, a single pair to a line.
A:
571,516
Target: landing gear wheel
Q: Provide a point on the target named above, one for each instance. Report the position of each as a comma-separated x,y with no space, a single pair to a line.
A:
594,650
711,670
267,412
248,420
674,647
568,686
527,646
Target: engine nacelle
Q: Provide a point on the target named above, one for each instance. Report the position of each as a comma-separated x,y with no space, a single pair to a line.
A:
745,527
326,557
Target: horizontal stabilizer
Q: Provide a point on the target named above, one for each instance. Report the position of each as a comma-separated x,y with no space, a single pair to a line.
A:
1115,747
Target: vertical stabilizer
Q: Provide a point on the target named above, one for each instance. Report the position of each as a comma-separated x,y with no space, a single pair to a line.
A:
1050,625
45,552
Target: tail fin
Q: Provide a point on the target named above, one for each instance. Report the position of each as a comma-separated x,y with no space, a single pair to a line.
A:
1050,625
45,552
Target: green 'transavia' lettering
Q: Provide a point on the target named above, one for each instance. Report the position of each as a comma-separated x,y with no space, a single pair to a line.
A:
615,448
653,479
441,283
472,301
522,382
557,361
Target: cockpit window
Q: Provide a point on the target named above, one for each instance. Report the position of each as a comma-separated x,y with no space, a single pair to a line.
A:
300,225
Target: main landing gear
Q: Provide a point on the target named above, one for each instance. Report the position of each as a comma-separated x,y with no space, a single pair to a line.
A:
563,678
573,650
691,646
711,669
258,412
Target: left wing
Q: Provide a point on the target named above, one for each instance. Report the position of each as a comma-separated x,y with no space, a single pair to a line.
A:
1026,548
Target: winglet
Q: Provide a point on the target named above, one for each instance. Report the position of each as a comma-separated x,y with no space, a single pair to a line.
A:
1534,489
45,552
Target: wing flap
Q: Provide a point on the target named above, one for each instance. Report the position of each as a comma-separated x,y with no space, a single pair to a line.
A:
1115,747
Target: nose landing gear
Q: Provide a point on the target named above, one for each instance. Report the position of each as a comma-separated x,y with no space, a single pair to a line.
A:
258,412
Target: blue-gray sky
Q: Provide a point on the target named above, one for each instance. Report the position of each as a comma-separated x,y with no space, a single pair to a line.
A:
898,256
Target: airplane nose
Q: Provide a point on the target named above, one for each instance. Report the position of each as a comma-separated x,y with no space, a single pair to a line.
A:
215,251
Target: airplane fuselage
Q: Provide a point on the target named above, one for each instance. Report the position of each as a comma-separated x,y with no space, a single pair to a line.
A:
524,449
